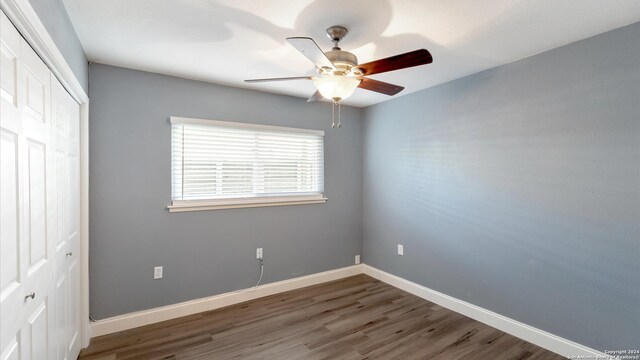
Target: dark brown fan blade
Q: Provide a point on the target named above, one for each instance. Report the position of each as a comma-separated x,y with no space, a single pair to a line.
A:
379,86
315,97
312,51
402,61
280,79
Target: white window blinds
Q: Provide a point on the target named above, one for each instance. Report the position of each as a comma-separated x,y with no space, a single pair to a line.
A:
216,162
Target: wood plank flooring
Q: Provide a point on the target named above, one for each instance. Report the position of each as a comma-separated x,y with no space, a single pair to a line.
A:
353,318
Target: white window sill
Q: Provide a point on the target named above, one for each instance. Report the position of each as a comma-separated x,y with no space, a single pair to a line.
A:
203,205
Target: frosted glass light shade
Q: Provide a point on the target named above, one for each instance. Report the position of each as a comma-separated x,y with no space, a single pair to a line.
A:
336,87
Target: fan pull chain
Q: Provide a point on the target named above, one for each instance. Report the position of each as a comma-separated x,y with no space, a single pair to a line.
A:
333,114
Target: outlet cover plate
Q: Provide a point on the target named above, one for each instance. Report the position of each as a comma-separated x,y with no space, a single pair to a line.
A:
157,272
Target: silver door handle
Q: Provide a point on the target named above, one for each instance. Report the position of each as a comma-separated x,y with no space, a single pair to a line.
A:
32,296
69,254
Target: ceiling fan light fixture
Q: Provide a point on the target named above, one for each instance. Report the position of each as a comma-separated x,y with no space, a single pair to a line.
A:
335,87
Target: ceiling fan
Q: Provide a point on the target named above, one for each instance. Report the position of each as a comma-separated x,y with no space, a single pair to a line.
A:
339,72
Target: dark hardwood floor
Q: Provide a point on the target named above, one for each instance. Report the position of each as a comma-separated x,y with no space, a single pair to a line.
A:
353,318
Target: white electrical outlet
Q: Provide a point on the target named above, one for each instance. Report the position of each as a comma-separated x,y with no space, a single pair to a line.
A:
357,259
259,253
157,272
400,249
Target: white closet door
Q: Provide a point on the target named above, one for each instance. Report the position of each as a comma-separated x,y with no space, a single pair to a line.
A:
39,189
37,208
12,268
27,240
65,119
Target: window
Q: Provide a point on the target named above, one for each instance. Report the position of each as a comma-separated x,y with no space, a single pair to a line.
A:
219,165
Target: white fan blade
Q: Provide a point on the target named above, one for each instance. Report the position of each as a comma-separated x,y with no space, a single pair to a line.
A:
280,79
312,51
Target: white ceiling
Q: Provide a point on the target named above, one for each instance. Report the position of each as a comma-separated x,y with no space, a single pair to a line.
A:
226,42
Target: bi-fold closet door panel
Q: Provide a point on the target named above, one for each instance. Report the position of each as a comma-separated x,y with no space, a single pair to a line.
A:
12,249
39,189
26,219
65,115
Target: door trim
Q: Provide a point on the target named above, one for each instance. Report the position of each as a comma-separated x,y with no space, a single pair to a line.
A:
25,19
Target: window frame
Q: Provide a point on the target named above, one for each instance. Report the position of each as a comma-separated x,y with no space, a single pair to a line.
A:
243,202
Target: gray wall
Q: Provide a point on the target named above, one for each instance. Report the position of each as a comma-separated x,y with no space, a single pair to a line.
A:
208,252
55,18
518,189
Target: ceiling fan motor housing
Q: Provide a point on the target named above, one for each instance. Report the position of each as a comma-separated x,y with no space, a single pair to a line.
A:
344,61
341,57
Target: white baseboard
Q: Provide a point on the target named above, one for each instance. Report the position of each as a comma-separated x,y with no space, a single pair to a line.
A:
146,317
528,333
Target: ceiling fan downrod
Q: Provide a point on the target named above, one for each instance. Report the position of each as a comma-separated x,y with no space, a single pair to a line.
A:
335,34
